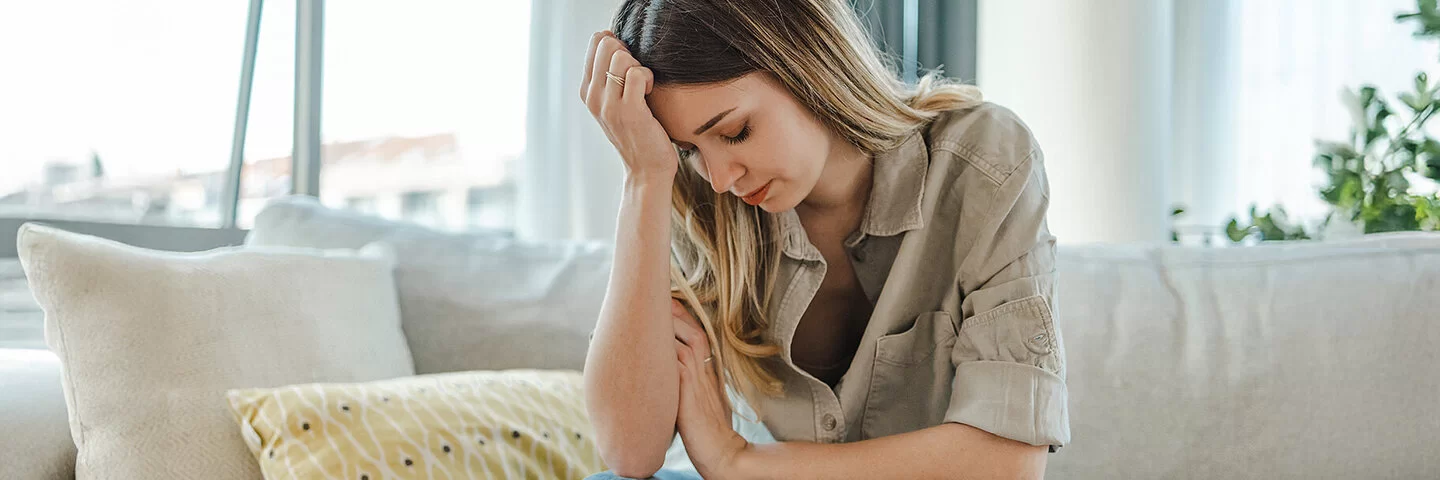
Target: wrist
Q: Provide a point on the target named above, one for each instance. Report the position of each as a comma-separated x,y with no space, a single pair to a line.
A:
649,178
741,464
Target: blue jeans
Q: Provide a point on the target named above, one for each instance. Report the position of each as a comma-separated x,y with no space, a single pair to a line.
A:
660,475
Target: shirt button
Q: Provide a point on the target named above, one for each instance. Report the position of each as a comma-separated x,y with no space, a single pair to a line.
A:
829,422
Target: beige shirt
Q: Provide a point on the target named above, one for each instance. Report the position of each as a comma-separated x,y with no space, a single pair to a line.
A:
954,253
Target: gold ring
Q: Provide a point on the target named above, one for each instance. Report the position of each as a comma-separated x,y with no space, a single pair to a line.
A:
619,80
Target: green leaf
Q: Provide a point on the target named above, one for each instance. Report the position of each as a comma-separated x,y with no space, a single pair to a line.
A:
1337,149
1415,102
1350,192
1234,232
1375,127
1367,96
1432,159
1394,218
1395,182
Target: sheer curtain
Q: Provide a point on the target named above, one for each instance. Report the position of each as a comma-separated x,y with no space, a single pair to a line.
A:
1213,104
569,180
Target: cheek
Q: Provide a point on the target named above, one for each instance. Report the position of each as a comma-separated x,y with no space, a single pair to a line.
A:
696,164
802,159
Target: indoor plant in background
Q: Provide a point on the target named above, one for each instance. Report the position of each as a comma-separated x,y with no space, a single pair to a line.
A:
1370,177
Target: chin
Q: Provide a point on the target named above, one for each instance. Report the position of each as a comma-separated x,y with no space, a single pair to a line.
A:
777,203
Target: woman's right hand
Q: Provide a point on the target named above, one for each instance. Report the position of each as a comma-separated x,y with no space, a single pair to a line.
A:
622,112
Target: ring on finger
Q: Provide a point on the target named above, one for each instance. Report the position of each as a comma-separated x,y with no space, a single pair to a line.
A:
619,80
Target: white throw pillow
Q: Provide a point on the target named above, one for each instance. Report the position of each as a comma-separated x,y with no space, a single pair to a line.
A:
471,301
149,342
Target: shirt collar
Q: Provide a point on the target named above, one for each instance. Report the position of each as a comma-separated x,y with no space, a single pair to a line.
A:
896,192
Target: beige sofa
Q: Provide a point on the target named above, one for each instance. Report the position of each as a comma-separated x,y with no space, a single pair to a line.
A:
1304,360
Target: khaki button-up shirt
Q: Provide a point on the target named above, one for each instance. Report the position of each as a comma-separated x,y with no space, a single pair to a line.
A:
954,253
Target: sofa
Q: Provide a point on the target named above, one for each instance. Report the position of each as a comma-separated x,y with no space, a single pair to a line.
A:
1288,360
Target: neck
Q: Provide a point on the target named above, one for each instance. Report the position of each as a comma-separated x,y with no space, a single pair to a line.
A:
844,184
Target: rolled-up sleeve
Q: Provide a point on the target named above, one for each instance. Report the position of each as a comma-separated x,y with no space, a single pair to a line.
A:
1009,358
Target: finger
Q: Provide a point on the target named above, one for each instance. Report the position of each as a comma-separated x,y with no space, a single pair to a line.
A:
603,51
620,63
590,64
637,83
696,364
689,332
683,355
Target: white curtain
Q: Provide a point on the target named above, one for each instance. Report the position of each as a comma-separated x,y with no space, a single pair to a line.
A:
569,180
1214,104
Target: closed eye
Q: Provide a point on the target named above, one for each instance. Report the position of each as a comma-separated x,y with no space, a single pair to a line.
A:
685,152
739,137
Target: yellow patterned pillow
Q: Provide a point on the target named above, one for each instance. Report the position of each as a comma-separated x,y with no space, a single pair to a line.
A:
482,424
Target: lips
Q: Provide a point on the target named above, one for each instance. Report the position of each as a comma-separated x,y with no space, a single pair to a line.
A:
758,196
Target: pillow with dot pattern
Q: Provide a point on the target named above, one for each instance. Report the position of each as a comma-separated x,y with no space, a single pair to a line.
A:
522,423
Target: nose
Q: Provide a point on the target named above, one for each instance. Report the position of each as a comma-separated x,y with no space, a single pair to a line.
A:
723,173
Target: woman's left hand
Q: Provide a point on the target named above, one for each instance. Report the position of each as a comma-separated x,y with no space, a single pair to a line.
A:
704,419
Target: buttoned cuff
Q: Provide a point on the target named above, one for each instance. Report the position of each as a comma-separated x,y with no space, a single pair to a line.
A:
1012,400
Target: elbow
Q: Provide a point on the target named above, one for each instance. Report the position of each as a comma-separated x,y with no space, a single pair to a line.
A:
629,448
633,462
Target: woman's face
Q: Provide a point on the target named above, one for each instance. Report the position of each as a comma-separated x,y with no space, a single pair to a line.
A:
746,137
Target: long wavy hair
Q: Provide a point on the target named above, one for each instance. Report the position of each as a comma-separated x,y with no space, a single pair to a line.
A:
820,52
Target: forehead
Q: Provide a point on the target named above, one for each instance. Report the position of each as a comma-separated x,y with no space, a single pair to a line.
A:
683,108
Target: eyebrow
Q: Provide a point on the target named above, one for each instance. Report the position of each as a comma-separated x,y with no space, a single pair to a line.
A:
714,120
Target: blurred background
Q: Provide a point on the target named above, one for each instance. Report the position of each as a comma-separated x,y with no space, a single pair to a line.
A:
170,123
457,114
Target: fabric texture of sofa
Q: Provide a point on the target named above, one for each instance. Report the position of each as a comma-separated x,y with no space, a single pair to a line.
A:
1292,360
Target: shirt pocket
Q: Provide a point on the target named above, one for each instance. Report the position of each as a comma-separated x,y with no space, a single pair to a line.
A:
910,378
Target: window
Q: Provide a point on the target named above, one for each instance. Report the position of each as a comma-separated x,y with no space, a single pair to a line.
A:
123,115
362,205
421,207
107,117
1291,72
491,208
427,111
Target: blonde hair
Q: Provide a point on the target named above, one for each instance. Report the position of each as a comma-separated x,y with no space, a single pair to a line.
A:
820,52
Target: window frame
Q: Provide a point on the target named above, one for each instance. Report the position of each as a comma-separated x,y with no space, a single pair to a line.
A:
309,60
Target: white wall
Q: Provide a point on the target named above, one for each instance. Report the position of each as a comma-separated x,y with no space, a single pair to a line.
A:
1091,78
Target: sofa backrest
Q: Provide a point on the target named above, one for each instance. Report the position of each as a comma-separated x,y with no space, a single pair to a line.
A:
471,301
34,429
1297,360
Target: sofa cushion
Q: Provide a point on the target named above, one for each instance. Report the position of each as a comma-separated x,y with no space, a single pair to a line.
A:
1298,360
149,342
36,443
473,301
521,423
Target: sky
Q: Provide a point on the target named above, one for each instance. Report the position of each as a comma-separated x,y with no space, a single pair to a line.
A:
151,85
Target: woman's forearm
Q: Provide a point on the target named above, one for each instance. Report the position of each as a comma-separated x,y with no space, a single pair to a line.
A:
631,381
949,450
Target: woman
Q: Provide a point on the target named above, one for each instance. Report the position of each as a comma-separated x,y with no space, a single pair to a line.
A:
866,262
